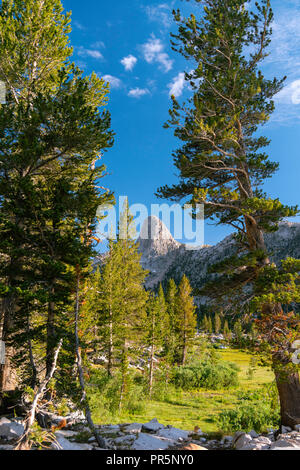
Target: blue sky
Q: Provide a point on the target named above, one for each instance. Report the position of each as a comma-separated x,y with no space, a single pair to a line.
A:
128,43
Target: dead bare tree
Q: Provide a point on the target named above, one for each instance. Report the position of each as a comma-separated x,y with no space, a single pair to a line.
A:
23,443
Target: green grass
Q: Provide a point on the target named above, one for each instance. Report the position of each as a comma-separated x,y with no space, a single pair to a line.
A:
200,408
186,410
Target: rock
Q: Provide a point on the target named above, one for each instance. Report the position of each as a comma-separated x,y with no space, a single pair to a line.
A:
262,440
152,442
63,444
124,440
297,427
237,435
133,428
6,447
174,433
112,429
253,434
227,440
285,444
152,426
10,429
285,448
192,446
67,434
242,443
285,429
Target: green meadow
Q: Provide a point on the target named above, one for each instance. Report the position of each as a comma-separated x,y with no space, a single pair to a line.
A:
200,408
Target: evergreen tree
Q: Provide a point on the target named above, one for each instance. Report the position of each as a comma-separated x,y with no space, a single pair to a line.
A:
209,325
226,331
217,324
238,332
52,133
156,324
186,320
222,165
171,326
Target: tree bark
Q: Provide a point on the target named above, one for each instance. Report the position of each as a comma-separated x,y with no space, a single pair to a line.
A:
51,334
110,346
288,383
8,309
151,371
288,386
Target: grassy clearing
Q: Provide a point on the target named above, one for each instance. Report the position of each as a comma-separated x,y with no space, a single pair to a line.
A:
200,408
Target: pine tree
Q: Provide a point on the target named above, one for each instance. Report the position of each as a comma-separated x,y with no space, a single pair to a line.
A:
171,327
222,165
156,325
238,331
52,133
209,325
217,324
226,331
128,317
204,323
186,321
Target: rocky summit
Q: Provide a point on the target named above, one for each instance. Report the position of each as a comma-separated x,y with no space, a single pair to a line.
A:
165,258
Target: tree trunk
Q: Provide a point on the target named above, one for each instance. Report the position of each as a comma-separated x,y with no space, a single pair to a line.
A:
288,386
110,346
151,371
51,334
6,377
124,374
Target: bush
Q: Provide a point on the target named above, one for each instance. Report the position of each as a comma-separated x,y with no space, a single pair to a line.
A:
205,374
248,416
258,410
104,395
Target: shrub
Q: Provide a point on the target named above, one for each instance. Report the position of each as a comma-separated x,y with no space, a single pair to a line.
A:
206,374
104,395
248,416
258,410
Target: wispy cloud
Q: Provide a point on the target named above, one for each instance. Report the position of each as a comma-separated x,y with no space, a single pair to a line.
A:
94,53
138,92
98,45
153,51
129,62
284,59
285,46
161,14
177,85
114,82
78,25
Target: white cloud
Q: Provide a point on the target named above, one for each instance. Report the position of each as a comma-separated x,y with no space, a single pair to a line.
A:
113,81
160,14
98,45
153,51
129,62
138,92
177,85
290,94
284,55
78,25
94,53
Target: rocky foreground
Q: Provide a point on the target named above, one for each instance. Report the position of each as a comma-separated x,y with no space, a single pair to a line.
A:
149,436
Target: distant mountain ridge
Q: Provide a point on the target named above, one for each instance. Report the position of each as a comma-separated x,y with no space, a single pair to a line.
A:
166,258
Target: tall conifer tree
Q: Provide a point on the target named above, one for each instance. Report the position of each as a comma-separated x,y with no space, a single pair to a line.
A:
222,165
52,134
